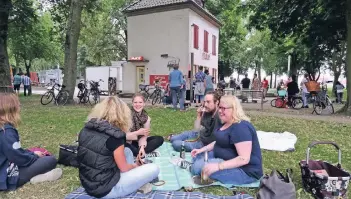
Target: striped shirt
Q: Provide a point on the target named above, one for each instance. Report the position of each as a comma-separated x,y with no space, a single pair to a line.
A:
26,80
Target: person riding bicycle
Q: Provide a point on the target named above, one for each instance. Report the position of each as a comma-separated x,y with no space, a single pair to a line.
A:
293,89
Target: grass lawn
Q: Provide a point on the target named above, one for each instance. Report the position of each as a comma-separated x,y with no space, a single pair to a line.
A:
49,126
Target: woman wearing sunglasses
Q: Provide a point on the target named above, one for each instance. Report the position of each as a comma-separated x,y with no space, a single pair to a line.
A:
235,157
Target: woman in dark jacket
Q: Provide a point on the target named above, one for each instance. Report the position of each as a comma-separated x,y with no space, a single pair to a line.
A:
17,165
106,167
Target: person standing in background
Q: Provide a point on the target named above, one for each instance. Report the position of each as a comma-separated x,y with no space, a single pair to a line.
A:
175,83
255,86
199,86
265,87
26,84
246,86
305,92
208,82
17,80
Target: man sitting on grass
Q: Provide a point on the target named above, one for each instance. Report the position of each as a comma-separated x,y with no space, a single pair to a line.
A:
207,119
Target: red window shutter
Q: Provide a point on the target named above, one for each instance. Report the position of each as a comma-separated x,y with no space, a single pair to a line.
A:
196,36
206,41
214,45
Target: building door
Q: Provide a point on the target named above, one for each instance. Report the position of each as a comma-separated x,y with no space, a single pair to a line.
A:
140,78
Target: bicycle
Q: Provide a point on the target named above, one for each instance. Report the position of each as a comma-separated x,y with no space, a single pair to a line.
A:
321,102
94,92
279,102
83,94
60,99
157,95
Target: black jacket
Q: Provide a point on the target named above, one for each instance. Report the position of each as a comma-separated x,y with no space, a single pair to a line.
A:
98,171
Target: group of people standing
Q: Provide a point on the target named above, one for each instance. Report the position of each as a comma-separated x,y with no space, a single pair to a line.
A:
177,86
19,79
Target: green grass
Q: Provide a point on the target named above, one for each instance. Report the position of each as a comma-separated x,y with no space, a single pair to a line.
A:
49,126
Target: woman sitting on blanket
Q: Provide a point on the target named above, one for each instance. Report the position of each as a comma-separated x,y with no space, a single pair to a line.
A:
138,139
107,168
235,157
17,165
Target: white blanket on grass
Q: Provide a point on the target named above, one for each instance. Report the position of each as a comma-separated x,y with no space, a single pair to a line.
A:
277,141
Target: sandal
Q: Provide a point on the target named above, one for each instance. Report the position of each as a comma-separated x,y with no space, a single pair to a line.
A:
199,181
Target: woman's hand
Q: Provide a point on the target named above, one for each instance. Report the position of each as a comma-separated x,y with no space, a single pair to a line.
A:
39,153
144,132
195,152
210,168
141,152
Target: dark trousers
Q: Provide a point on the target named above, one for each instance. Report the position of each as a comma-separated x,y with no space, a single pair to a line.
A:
27,88
40,166
153,143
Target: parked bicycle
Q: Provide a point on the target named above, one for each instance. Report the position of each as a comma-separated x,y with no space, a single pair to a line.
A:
59,99
94,94
157,95
83,93
322,102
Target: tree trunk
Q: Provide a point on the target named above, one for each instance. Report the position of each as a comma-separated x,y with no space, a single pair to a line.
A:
5,74
71,47
275,80
270,83
347,108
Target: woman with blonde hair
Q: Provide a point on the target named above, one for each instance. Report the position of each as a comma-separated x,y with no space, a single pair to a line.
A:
17,165
235,155
106,167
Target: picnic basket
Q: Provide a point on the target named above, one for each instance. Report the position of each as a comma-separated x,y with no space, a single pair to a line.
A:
322,179
313,86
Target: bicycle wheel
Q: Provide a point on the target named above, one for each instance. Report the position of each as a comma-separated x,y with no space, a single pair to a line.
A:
94,98
317,106
297,103
62,98
279,103
156,99
273,102
329,105
46,98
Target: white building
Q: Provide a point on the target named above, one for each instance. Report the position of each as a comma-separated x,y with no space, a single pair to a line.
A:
174,29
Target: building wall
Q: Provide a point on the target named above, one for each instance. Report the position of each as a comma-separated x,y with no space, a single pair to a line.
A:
203,24
154,34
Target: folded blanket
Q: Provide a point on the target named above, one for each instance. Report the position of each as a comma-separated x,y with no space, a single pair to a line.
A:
277,141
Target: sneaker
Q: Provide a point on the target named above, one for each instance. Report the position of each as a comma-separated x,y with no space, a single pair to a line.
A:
153,154
181,163
146,188
52,175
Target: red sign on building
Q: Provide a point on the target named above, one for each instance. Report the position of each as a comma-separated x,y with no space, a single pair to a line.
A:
162,78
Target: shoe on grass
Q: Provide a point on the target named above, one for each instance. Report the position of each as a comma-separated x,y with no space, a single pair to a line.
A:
52,175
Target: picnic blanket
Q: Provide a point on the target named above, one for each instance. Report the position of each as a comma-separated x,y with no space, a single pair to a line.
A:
277,141
81,194
176,177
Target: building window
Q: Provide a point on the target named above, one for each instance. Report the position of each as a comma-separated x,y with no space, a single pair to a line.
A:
206,41
196,36
214,45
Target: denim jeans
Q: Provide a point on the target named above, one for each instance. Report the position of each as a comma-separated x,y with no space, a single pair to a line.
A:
176,92
235,176
132,180
177,140
304,98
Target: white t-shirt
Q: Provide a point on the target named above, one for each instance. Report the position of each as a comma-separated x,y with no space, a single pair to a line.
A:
304,89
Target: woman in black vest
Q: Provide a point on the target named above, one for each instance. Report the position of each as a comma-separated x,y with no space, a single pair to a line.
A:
107,168
138,139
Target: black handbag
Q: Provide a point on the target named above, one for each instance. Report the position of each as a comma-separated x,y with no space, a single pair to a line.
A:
68,155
